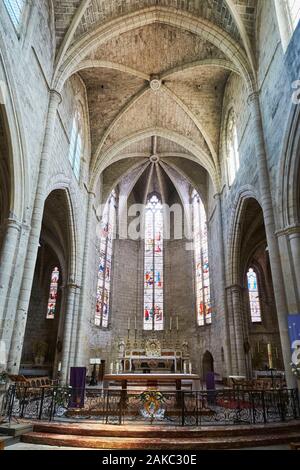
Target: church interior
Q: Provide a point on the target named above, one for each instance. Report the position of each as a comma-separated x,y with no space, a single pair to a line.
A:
150,223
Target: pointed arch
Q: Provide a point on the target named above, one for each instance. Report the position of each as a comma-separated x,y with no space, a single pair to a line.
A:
183,20
201,157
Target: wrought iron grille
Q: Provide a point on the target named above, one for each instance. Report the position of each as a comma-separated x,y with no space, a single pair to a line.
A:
185,408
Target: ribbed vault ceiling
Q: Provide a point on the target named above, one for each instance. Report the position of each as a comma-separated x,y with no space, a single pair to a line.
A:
180,121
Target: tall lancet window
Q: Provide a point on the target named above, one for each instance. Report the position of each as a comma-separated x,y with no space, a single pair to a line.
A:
293,9
253,296
201,261
15,10
75,149
233,159
53,291
288,15
104,267
153,265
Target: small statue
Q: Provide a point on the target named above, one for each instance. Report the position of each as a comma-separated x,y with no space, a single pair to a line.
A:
185,348
121,347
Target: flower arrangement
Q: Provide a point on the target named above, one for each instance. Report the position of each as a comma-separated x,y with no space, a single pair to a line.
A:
3,377
152,401
295,369
151,394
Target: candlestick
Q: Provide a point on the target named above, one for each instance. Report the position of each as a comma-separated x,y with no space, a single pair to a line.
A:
270,356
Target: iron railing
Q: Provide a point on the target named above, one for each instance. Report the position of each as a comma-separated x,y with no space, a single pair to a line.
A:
185,408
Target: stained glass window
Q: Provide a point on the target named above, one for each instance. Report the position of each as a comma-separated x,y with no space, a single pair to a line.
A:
52,300
105,261
201,261
153,266
233,158
15,10
293,11
288,16
75,146
253,296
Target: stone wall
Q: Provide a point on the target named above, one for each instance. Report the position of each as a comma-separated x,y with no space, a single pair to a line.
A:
26,68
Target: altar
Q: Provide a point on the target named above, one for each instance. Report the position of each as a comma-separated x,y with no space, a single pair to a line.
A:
153,380
152,363
152,357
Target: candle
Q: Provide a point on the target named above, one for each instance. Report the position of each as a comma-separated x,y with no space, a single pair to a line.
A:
128,326
177,322
59,367
270,356
190,367
184,367
135,323
117,367
111,367
170,323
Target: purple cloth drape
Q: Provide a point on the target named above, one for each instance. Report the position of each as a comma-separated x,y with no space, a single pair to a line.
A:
210,381
210,387
77,382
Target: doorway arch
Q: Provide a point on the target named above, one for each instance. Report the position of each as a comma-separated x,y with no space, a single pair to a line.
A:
207,364
46,313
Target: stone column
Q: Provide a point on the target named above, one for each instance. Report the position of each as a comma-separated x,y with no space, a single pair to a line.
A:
33,242
67,332
289,243
227,351
232,332
267,207
236,293
84,312
294,239
12,229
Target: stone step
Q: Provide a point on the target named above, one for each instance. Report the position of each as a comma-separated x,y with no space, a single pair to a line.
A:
162,431
6,441
111,443
14,429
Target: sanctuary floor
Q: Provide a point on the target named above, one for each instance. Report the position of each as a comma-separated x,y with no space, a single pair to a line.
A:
24,446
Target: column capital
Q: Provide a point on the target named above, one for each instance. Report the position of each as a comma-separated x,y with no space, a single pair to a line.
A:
293,229
70,285
234,287
91,194
217,196
13,222
253,97
55,95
